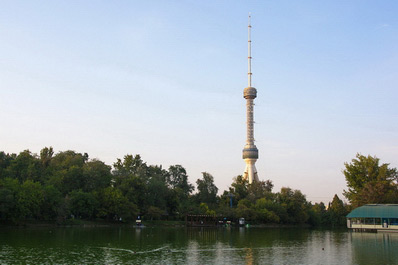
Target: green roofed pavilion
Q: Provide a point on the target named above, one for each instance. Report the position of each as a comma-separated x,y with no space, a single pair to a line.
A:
375,211
374,217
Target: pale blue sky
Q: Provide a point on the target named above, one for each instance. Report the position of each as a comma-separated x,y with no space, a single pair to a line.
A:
164,79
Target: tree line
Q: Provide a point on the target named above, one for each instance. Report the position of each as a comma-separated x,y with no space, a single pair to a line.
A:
69,186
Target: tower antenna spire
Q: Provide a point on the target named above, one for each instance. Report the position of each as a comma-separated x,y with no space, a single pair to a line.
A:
249,73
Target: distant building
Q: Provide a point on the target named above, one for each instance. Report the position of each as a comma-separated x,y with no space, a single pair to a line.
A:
374,217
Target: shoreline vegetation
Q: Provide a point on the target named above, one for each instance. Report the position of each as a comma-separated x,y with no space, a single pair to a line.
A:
147,224
70,188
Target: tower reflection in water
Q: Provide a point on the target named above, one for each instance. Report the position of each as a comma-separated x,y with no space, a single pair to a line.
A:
218,245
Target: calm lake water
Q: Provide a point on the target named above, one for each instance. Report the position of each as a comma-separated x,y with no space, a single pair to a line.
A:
123,245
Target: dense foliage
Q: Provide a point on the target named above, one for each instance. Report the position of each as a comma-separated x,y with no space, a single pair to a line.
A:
369,182
70,186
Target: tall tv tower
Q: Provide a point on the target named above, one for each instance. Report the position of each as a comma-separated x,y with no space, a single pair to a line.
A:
250,152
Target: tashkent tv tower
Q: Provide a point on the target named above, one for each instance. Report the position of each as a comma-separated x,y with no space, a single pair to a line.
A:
250,152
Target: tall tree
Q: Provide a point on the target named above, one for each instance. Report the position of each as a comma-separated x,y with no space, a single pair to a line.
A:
260,189
296,205
239,189
178,179
97,175
83,204
9,191
25,166
113,205
130,177
178,197
319,214
264,212
46,155
130,166
52,200
5,161
29,200
337,211
207,191
245,209
157,191
369,182
67,171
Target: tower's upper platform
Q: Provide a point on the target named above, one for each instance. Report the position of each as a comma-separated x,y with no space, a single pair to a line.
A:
249,93
250,151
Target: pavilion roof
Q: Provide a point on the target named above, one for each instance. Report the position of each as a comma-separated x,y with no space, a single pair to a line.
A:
375,211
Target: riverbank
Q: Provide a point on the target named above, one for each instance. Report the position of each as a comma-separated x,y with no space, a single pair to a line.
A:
146,223
95,223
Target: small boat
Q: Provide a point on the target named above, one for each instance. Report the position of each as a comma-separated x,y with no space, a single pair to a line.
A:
138,221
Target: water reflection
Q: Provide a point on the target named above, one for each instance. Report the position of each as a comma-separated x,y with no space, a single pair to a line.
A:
124,245
379,248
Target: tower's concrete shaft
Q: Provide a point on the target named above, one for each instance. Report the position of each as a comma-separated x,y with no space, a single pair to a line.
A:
250,152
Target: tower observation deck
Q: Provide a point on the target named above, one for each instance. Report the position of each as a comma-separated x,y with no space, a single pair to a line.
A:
250,151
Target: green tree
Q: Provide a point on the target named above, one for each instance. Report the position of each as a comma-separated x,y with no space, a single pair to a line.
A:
224,207
318,214
239,189
337,211
29,200
114,205
5,162
130,166
378,192
9,190
177,178
25,166
295,204
46,155
260,189
264,213
178,197
204,209
134,189
207,190
52,200
154,213
67,171
157,192
246,210
369,182
83,204
97,175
